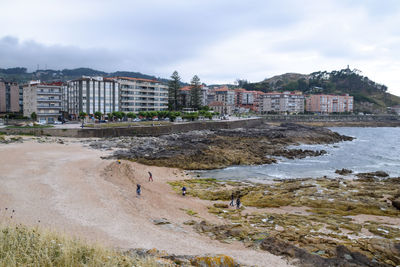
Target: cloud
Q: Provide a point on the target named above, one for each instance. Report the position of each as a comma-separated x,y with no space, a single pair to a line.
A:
218,40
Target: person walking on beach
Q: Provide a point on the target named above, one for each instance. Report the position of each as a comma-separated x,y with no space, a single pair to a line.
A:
150,177
183,191
232,200
138,189
238,202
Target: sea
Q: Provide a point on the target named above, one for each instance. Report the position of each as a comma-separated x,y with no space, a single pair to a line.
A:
372,149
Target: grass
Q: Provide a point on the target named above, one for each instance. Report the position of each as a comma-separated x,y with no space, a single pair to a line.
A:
24,246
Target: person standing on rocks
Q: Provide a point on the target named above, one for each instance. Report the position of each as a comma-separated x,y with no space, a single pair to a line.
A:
238,202
150,177
232,200
138,190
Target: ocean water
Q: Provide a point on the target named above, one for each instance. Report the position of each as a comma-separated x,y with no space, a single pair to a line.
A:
373,149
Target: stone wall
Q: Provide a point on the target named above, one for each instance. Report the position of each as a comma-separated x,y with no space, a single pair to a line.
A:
136,130
331,118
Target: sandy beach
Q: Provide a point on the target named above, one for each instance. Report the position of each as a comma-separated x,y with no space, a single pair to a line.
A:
69,188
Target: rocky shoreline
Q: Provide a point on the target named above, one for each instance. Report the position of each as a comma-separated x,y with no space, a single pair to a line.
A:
313,222
201,150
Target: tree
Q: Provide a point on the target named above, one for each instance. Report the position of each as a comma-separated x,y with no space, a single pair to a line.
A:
173,91
82,115
131,115
34,116
195,92
98,115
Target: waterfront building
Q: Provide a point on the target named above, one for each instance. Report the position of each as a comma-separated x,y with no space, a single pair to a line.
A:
91,94
286,102
9,97
44,99
224,101
142,95
185,97
329,103
396,109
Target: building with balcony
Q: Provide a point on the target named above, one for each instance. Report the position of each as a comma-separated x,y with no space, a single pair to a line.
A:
91,94
286,102
9,97
224,101
329,103
44,99
142,94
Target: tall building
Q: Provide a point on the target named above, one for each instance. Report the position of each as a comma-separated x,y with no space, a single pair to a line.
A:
91,94
44,99
286,102
329,103
224,101
9,97
142,94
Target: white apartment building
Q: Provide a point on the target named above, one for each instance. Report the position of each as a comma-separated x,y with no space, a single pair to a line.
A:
44,99
142,94
286,102
91,94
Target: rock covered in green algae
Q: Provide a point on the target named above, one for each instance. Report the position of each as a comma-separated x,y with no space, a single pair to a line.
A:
324,221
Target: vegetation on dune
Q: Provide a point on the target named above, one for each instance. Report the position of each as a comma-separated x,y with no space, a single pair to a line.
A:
24,246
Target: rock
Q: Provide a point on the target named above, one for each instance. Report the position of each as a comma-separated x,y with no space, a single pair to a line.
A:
214,261
344,171
396,203
371,175
221,205
161,221
344,257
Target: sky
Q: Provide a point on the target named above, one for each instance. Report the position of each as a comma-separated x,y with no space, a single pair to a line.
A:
218,40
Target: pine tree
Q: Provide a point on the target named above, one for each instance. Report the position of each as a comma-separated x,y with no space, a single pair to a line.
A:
195,92
173,91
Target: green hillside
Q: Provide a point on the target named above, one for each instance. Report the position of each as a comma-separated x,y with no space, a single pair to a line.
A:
21,75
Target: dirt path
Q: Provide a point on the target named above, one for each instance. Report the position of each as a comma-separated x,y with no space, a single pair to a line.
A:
69,188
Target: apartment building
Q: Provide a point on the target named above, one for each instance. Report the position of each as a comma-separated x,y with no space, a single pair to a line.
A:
44,99
329,103
224,101
142,94
185,95
91,94
286,102
9,97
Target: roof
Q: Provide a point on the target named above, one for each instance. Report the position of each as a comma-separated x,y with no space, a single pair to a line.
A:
216,104
186,88
135,79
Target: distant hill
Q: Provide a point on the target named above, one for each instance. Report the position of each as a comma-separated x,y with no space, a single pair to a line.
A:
21,75
369,96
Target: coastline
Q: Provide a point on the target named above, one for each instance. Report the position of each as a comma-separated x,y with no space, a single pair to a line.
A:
70,189
84,192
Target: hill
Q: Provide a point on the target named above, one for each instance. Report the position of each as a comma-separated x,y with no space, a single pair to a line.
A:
369,96
21,75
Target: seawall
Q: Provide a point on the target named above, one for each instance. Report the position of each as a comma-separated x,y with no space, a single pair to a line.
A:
136,130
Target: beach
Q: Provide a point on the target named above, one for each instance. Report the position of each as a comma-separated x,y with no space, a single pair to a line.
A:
66,186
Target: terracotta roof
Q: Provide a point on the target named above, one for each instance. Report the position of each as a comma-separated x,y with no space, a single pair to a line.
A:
186,88
135,79
216,104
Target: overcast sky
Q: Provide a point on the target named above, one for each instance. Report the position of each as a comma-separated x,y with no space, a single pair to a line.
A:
219,40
